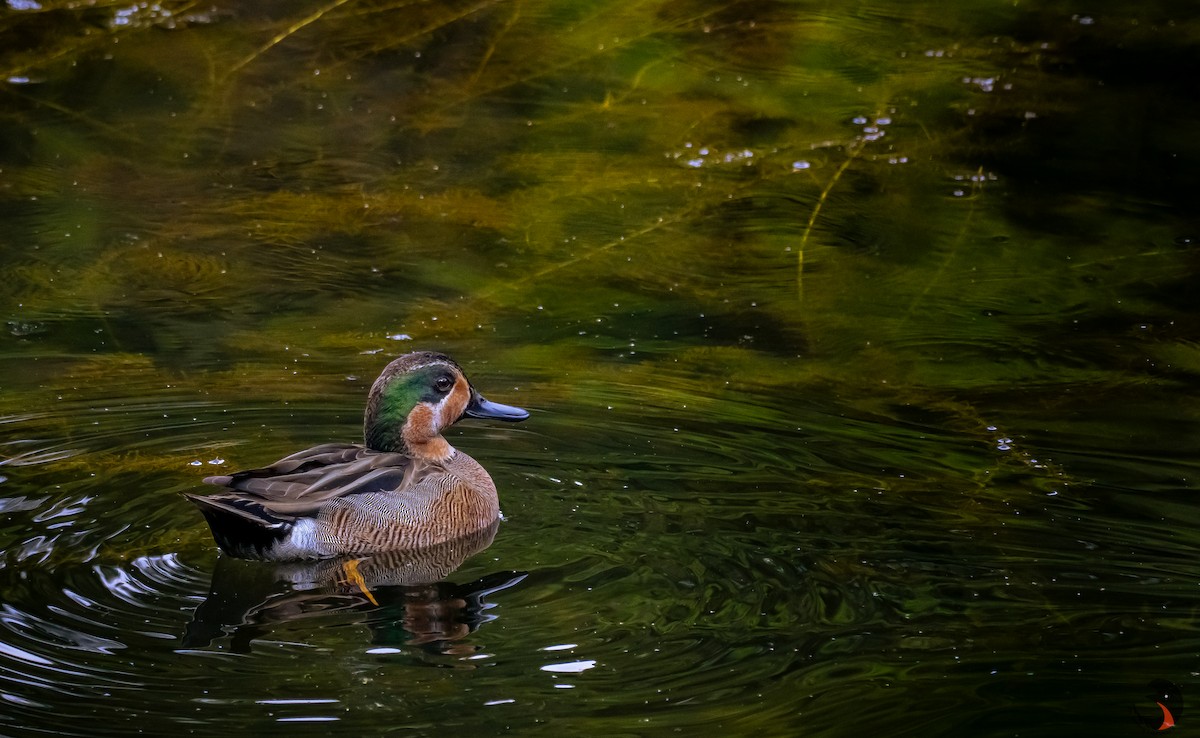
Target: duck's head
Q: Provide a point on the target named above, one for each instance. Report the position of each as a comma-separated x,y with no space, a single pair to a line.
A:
418,396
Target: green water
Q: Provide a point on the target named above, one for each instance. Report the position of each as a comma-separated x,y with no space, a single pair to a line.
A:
860,342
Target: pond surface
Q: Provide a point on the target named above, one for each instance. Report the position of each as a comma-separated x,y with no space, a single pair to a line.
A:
860,342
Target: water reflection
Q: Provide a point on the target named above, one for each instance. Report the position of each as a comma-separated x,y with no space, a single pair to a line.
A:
399,595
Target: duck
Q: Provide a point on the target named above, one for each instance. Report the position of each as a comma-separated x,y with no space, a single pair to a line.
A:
405,487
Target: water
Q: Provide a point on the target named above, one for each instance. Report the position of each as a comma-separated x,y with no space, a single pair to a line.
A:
859,343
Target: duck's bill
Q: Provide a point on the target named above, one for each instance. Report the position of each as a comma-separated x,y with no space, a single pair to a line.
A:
481,408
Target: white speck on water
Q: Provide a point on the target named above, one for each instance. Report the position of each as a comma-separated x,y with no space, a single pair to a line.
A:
570,667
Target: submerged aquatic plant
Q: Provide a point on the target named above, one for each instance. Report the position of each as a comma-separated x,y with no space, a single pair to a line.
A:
807,194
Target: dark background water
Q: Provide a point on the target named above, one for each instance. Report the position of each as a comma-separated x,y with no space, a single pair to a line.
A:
860,342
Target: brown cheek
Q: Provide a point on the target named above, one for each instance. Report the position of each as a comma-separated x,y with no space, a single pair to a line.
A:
455,404
419,428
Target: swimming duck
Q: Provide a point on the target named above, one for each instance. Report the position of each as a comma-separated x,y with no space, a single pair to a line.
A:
405,488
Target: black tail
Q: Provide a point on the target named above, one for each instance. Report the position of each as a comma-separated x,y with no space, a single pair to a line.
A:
240,527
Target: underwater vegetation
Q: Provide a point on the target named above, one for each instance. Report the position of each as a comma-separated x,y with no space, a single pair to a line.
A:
859,340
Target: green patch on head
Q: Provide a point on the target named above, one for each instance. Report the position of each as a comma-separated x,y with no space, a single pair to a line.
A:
405,391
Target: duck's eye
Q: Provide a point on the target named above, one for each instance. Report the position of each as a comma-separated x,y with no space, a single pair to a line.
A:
443,383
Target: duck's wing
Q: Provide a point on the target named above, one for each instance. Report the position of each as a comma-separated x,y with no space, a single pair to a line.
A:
300,484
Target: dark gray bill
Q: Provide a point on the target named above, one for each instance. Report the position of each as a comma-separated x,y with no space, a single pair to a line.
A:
481,408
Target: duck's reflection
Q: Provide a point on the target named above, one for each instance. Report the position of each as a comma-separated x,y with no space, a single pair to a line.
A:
400,596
